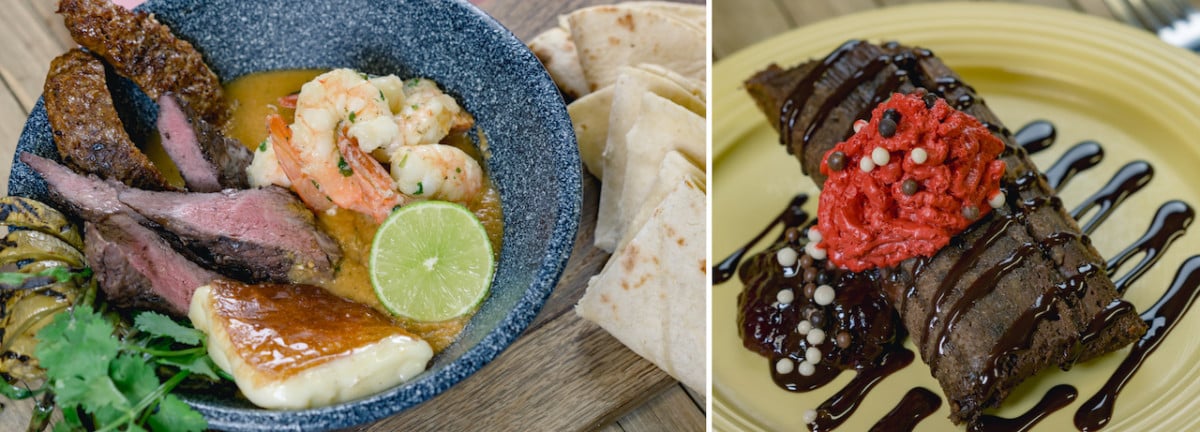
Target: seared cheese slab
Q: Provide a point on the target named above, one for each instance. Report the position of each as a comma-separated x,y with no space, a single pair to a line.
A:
298,346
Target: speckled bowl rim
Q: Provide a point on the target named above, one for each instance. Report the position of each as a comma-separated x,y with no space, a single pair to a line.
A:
567,201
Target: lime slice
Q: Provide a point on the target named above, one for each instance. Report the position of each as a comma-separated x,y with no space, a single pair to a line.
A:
431,261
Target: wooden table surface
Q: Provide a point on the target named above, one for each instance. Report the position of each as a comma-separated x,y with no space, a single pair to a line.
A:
588,381
737,24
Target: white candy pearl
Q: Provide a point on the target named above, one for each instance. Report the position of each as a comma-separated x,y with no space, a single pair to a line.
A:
859,124
997,200
810,416
814,235
823,295
866,164
815,337
814,251
784,366
785,296
787,256
918,155
812,355
804,327
807,369
880,156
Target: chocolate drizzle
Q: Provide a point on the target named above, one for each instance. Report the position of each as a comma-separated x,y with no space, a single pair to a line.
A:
790,111
1058,397
835,410
1081,157
1036,136
1127,181
1096,412
917,404
1170,222
792,216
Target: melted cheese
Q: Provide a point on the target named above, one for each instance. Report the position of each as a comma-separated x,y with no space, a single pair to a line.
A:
295,347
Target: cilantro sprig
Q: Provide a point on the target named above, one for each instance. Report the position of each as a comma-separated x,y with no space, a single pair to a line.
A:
109,383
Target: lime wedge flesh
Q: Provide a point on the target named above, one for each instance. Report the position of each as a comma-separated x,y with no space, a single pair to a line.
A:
431,261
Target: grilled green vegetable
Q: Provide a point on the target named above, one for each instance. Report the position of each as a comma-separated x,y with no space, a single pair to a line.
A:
44,273
38,216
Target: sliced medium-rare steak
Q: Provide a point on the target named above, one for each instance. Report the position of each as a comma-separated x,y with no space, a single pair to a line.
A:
1016,292
208,160
89,198
87,131
138,269
145,51
254,234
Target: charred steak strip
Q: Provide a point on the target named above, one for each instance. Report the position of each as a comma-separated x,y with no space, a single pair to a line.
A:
145,51
138,269
208,160
253,235
87,131
88,198
1017,292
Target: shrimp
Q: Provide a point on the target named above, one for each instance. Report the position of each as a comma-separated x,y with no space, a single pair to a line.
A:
340,118
427,115
436,171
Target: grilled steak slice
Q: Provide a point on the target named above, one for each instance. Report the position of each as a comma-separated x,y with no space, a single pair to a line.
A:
253,235
208,160
87,131
1019,291
89,198
138,269
145,51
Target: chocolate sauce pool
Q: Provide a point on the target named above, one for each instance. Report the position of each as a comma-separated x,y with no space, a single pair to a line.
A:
1169,223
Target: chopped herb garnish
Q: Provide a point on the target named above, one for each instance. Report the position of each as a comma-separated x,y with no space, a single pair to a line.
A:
403,161
413,82
420,188
109,383
344,167
458,170
352,116
381,97
364,75
262,146
15,280
315,184
414,107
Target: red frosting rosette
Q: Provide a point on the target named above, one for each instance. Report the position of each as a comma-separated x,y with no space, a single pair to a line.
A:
907,181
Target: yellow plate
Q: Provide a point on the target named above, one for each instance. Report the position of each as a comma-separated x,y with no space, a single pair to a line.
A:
1094,79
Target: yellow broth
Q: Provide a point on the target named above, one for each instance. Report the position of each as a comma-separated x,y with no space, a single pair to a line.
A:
252,98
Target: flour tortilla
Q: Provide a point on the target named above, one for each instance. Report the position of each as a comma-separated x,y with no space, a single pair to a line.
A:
696,88
608,37
591,114
695,15
556,50
651,294
642,129
674,169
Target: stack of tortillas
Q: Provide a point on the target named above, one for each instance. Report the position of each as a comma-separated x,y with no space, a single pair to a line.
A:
637,73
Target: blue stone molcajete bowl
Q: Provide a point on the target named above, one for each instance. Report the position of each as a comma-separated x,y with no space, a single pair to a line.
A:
533,156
